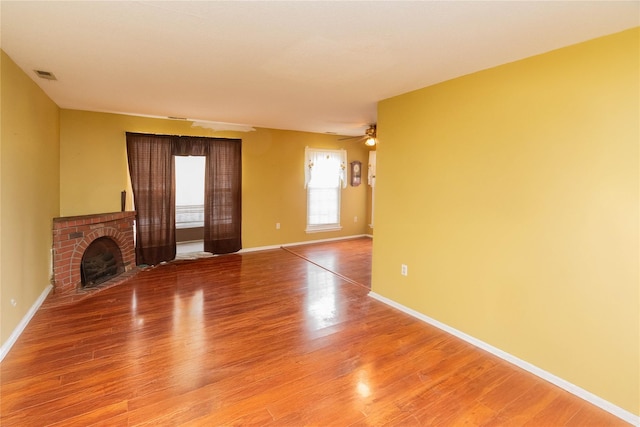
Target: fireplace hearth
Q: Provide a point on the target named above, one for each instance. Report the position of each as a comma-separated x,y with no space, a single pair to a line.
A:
91,250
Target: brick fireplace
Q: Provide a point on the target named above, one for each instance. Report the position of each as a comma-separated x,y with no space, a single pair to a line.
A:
73,235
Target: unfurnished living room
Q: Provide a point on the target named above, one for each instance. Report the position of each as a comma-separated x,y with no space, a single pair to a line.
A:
320,213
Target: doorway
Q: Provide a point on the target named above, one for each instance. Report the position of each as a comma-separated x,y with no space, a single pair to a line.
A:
189,175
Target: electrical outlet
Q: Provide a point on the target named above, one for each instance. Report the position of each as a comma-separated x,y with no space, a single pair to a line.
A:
355,219
277,226
404,270
14,302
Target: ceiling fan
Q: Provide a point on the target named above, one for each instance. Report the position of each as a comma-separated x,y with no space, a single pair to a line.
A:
369,136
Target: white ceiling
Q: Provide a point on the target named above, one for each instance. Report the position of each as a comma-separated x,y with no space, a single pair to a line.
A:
318,66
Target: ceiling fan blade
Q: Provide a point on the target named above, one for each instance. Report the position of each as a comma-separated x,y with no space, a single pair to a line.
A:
370,133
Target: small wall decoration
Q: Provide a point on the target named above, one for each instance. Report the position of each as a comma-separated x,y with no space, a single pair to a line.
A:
356,173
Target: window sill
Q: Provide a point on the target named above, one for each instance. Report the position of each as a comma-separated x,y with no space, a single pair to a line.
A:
322,228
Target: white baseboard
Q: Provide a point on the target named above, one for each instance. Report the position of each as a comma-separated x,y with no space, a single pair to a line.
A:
6,346
306,242
258,248
547,376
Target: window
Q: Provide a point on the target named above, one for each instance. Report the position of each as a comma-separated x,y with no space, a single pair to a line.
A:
189,191
325,173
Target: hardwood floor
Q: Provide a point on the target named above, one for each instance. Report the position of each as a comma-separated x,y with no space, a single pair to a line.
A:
263,338
349,258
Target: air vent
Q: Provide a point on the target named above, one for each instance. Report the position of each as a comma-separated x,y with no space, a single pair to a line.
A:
45,75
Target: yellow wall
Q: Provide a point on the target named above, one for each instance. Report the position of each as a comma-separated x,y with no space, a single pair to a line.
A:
512,194
93,165
29,182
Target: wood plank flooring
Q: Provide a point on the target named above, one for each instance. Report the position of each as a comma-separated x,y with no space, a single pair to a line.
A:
349,258
266,339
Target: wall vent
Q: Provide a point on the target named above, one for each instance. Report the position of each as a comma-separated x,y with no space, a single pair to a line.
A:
45,75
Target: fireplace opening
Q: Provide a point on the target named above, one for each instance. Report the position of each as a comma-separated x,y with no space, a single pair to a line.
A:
100,262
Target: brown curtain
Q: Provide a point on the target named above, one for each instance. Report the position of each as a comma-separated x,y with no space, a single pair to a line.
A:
152,177
223,201
151,168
